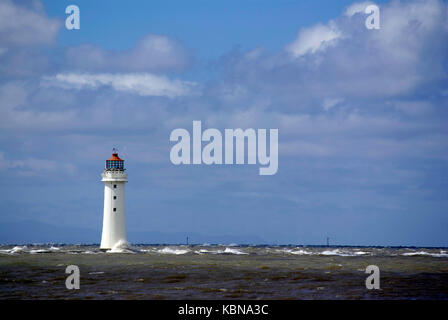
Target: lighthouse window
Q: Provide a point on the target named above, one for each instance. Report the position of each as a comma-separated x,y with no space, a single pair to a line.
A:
115,209
115,197
115,186
114,164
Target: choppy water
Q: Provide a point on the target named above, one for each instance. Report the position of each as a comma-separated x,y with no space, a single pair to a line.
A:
222,272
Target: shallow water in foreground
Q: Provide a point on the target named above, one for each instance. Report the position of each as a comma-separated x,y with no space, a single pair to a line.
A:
222,272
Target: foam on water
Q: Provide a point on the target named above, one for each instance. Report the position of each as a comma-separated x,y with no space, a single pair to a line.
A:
16,249
360,253
299,252
122,246
24,249
90,252
334,252
39,251
233,251
184,272
125,247
225,251
34,251
337,252
168,250
442,254
202,251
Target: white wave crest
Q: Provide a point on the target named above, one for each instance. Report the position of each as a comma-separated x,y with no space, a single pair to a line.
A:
168,250
337,252
202,251
301,252
225,251
442,254
34,251
16,249
90,252
233,251
122,246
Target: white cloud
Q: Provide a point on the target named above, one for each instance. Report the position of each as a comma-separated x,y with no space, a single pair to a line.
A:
33,166
414,108
21,26
143,84
413,19
310,40
350,61
330,103
358,7
19,113
152,53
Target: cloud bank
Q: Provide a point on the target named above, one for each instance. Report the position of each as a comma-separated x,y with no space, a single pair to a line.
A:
153,53
361,114
142,84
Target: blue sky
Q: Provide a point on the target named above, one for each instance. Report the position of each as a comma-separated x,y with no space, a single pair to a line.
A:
210,28
362,117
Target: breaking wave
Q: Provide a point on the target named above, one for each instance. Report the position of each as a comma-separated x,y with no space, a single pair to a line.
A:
16,249
225,251
442,254
207,249
168,250
299,252
233,251
122,246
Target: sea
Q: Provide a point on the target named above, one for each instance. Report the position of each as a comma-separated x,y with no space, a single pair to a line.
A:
206,271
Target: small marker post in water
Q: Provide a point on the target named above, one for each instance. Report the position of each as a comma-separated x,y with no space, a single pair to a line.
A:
187,241
328,241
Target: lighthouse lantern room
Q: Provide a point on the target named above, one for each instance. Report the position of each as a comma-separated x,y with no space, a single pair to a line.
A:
114,216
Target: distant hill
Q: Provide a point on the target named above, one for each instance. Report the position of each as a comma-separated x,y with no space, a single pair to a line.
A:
38,232
25,232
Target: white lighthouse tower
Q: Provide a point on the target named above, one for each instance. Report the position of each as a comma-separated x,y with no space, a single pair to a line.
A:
114,217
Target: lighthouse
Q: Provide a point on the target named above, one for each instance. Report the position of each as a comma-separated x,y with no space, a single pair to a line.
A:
114,216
